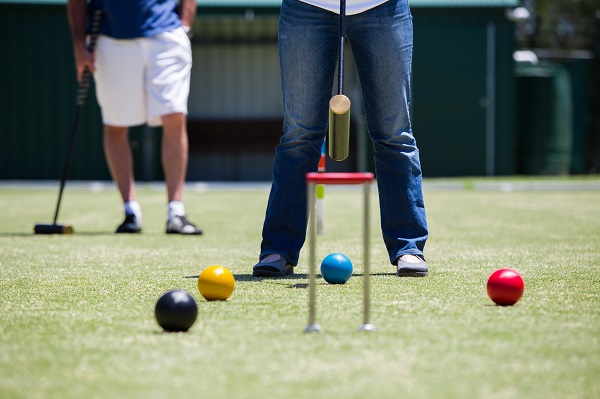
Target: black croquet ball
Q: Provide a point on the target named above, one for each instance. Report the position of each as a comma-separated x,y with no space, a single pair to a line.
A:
176,311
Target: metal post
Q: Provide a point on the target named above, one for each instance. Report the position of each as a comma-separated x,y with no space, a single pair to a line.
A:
310,209
320,191
366,326
490,103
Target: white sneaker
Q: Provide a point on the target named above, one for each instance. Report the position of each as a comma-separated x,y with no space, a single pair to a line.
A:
180,225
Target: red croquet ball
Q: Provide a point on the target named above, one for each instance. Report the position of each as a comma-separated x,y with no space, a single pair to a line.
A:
505,287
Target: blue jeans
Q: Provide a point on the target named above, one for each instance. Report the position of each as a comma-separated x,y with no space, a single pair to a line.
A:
381,41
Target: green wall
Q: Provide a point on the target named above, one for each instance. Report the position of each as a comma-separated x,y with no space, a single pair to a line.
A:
449,96
38,90
451,93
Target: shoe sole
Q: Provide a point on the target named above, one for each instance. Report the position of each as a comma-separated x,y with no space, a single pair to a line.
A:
411,274
260,272
128,231
185,234
406,269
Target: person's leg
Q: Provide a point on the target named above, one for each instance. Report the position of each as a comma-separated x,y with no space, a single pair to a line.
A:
169,61
119,159
308,41
119,90
382,42
117,151
174,154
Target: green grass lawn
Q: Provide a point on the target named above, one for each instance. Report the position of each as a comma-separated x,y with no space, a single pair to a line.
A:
77,321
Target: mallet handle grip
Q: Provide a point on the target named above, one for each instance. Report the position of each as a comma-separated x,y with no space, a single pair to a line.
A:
84,85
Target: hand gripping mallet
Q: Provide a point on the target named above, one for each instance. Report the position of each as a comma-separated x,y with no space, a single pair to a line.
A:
82,92
339,105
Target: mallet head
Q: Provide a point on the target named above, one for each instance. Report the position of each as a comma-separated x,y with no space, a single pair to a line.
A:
52,229
339,127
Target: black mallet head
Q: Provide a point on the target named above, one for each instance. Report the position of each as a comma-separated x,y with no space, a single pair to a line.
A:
176,311
52,229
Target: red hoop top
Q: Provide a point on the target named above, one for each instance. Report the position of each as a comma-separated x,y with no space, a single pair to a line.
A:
339,178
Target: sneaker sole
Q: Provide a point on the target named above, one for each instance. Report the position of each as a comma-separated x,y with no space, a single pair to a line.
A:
260,272
411,274
128,231
184,234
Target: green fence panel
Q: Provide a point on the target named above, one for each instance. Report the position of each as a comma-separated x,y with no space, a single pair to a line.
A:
579,71
38,91
545,119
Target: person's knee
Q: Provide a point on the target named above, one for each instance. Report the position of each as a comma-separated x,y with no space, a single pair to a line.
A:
173,118
115,131
174,124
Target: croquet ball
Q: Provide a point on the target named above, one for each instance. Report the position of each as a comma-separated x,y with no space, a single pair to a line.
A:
336,268
505,287
176,311
216,283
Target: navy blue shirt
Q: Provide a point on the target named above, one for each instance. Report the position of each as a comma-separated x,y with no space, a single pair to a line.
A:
128,19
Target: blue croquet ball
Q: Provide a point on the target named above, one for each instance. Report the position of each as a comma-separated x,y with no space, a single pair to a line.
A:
336,268
176,311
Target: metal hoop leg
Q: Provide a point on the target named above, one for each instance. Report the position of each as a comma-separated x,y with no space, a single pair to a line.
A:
336,178
312,324
366,326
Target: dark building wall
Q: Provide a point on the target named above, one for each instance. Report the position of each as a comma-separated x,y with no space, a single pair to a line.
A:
451,101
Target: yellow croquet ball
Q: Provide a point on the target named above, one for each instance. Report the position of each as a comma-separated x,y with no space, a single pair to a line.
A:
216,283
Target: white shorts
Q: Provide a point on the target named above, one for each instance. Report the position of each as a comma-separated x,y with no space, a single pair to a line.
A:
139,80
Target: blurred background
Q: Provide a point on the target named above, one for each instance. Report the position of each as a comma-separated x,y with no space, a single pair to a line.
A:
500,88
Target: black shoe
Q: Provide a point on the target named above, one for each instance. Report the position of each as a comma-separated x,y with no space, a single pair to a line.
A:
409,269
131,224
276,268
180,225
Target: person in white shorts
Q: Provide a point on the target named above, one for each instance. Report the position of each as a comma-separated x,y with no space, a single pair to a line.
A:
141,69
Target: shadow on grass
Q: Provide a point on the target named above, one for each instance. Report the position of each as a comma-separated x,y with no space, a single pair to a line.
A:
250,277
17,234
91,234
33,234
286,280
